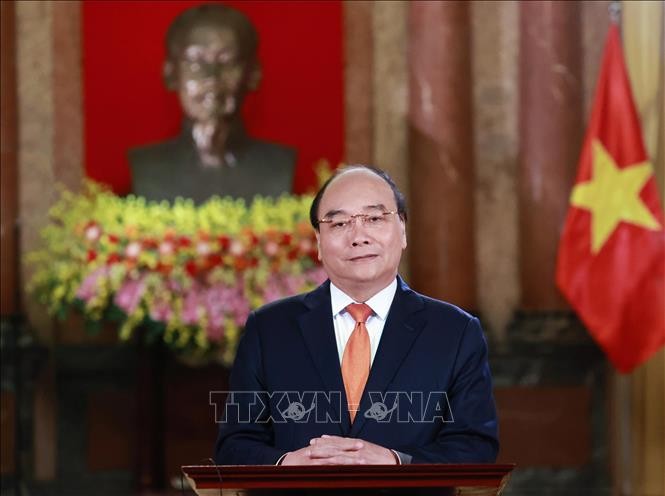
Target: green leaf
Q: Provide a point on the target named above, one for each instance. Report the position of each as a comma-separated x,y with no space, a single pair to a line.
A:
93,327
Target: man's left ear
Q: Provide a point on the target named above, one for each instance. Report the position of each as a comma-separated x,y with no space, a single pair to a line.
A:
169,75
318,245
403,228
255,76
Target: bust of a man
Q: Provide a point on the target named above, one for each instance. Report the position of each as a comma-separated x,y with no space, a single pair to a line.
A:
212,63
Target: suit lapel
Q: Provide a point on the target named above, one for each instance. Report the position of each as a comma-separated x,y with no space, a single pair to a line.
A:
318,332
403,325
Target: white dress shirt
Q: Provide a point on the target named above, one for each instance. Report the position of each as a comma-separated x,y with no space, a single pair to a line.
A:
344,323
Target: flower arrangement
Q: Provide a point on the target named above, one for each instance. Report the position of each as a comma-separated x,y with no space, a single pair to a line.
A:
186,274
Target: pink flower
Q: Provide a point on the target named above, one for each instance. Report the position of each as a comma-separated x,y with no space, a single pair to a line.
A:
88,288
273,289
214,304
241,307
129,295
190,308
174,286
316,275
222,301
294,284
161,311
282,285
217,302
305,245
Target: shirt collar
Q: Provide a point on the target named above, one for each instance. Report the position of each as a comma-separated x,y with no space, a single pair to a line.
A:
379,303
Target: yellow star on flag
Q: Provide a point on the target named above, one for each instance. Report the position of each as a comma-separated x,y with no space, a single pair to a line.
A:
613,195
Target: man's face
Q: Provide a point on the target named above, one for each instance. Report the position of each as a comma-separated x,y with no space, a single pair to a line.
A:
211,75
360,255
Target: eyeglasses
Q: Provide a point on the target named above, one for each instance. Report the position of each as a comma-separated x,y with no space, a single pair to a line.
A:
341,224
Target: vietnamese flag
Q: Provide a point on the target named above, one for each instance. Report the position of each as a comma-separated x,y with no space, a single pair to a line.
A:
611,260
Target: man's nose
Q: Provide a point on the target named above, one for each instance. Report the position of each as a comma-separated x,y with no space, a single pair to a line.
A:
209,82
216,85
358,232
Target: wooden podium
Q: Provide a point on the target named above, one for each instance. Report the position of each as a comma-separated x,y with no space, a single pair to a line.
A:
439,479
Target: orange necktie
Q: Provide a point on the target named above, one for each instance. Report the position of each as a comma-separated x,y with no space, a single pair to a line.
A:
356,358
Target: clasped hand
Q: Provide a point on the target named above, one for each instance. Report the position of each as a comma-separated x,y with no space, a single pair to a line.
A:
335,450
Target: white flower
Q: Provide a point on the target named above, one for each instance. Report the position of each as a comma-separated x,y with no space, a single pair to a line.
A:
133,249
202,248
166,248
271,248
93,232
236,248
305,245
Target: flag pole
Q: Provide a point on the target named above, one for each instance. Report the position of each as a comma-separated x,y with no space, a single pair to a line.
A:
622,383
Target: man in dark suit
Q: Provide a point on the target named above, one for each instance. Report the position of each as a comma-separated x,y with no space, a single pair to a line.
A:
362,370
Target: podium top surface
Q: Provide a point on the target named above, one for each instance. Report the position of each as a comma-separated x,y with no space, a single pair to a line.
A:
347,476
